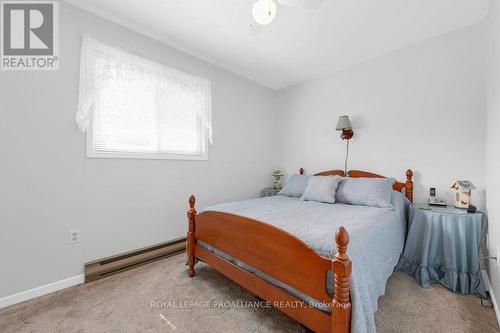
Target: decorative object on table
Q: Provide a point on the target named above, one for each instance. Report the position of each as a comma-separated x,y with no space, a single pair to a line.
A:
269,192
344,125
433,200
463,189
443,246
277,174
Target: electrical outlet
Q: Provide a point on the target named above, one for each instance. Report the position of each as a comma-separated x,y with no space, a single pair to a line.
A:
74,236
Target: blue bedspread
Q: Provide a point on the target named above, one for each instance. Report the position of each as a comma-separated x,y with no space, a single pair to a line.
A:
376,241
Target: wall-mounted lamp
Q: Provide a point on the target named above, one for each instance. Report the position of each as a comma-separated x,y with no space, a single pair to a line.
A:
344,125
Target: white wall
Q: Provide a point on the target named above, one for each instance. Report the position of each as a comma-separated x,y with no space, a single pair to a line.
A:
493,142
48,186
421,107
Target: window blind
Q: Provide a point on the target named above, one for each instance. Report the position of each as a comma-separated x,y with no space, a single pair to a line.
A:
135,107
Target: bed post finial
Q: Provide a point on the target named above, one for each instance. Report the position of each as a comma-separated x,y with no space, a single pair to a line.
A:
191,214
341,267
192,201
301,171
409,185
342,239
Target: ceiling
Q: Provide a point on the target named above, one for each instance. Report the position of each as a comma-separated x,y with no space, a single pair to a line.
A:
312,39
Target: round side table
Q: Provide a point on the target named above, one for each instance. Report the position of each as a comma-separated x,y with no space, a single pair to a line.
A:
443,245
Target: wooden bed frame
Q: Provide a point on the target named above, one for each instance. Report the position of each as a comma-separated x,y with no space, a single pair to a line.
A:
282,256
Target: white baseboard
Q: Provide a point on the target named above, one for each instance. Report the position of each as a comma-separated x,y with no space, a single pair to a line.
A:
493,299
40,291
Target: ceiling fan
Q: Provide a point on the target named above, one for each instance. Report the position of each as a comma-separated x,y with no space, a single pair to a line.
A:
264,11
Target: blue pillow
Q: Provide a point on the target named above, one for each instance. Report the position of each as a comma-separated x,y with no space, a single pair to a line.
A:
321,189
373,192
296,186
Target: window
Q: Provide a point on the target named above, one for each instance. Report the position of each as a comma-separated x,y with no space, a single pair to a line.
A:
132,107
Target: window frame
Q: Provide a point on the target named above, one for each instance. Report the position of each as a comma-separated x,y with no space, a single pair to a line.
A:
91,51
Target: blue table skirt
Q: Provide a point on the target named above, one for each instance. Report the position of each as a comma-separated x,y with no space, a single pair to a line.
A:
444,248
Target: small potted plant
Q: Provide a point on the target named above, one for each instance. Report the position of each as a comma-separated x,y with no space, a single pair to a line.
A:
277,174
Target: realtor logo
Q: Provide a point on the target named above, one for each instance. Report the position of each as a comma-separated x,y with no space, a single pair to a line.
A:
30,35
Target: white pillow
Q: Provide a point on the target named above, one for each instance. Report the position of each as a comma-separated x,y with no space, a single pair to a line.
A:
373,192
295,186
321,188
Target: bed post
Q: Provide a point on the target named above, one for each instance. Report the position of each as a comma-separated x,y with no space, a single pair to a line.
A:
409,185
190,236
341,267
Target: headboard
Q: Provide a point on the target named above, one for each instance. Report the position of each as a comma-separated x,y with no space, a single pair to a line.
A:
398,186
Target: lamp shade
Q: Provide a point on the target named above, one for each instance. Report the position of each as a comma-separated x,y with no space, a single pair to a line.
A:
344,123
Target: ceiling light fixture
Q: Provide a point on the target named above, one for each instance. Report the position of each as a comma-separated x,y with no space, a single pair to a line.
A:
264,11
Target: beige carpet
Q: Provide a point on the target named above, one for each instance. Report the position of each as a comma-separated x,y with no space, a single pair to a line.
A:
122,303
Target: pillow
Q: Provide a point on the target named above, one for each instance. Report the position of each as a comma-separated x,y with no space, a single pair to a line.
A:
296,186
321,188
373,192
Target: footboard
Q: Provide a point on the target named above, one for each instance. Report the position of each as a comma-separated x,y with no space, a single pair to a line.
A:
280,255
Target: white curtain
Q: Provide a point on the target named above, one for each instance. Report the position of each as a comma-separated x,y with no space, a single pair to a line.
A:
101,64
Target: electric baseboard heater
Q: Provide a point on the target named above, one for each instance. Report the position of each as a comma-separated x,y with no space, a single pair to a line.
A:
102,268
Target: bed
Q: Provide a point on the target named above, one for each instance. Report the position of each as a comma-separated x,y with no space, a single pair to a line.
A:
284,250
